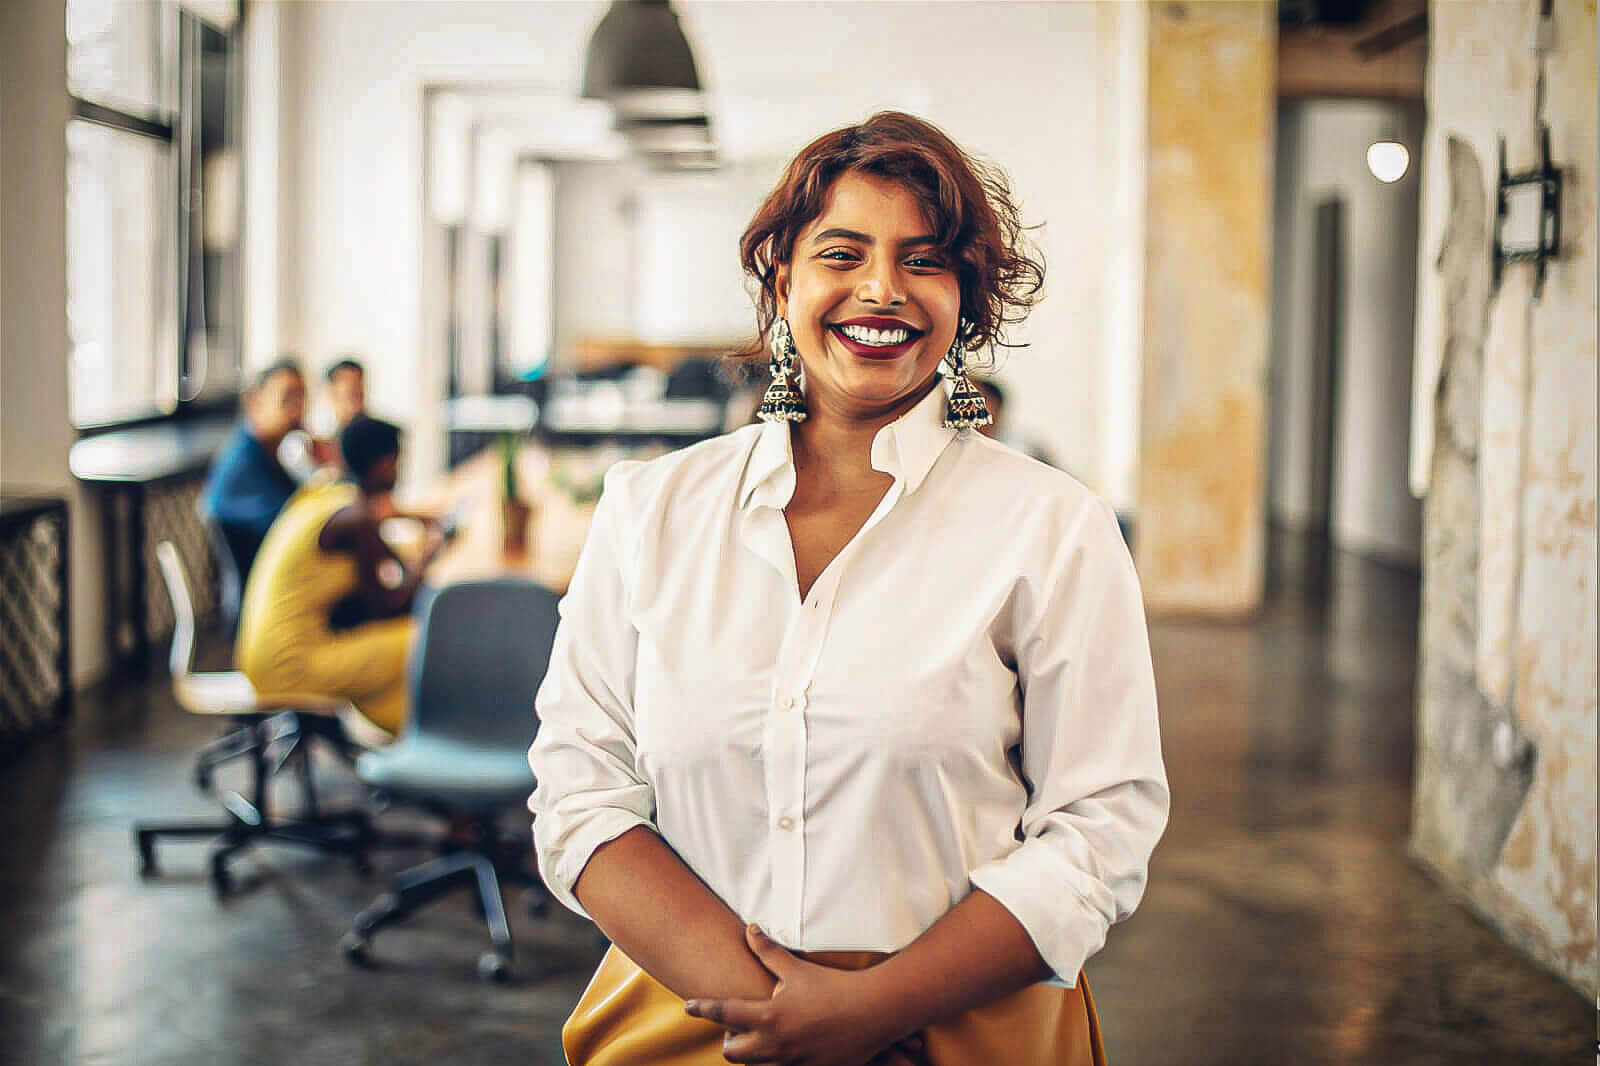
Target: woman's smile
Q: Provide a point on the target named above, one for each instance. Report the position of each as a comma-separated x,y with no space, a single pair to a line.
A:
874,337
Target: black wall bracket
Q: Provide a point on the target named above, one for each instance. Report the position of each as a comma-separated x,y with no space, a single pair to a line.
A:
1527,219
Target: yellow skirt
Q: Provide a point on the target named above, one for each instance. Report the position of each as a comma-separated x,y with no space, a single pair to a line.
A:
627,1018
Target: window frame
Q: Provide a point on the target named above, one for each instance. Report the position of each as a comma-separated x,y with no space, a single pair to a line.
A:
177,129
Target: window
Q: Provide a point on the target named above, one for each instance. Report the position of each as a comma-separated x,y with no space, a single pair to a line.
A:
152,208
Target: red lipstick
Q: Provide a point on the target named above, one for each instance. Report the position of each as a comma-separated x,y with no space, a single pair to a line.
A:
876,351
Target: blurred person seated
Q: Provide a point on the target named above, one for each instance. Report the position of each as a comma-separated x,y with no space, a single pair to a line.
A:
324,560
306,451
347,391
248,485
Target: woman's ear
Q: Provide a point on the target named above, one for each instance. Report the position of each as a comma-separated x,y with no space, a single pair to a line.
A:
780,286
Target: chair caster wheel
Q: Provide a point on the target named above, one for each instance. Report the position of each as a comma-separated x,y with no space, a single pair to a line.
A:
202,779
147,856
494,968
357,949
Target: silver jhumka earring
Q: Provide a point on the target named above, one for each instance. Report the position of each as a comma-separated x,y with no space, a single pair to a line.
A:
967,409
783,402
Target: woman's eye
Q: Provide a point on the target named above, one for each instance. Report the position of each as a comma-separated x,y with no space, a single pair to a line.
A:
924,262
841,255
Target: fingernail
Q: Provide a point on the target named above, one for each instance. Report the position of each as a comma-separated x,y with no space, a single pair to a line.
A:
692,1008
755,929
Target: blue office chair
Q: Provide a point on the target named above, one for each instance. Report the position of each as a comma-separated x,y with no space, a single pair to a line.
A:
463,753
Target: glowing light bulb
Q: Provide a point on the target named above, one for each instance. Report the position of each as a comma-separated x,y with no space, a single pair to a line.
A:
1388,160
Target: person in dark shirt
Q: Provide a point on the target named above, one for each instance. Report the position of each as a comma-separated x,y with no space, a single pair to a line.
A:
347,391
318,446
248,486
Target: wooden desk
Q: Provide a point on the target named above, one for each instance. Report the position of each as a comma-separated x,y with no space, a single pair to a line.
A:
557,527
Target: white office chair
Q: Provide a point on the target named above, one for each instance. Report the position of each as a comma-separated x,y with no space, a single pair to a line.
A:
269,728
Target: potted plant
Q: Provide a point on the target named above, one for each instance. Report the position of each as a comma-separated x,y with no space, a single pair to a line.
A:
514,511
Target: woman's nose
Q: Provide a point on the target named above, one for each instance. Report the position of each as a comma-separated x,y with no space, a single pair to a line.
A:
881,285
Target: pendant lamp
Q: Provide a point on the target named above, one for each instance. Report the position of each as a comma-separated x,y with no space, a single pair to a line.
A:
639,57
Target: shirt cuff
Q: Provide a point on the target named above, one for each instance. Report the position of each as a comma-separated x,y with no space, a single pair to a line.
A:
560,866
1064,928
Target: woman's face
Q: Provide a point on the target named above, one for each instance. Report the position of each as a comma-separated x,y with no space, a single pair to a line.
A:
382,476
872,304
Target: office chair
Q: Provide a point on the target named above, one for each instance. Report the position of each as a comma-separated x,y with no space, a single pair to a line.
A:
271,730
463,754
230,578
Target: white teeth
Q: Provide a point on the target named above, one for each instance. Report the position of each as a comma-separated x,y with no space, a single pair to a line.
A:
878,338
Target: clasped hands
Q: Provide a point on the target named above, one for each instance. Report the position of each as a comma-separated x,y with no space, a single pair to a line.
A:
816,1016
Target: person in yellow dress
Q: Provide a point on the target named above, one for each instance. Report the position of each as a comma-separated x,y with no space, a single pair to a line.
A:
318,617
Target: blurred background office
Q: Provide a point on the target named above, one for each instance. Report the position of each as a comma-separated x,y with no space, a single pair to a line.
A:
1319,323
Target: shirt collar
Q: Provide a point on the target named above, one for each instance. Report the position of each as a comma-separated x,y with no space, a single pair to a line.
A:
905,449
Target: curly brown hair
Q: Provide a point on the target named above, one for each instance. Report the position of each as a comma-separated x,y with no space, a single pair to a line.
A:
968,203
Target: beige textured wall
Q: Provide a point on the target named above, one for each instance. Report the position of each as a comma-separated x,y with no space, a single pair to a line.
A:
1212,72
1525,640
33,295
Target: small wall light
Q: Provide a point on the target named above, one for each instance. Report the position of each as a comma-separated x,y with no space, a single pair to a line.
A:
1388,160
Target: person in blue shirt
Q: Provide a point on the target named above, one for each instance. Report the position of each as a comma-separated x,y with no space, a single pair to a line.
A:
248,486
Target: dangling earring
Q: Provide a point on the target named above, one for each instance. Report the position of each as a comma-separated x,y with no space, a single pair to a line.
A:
967,408
783,402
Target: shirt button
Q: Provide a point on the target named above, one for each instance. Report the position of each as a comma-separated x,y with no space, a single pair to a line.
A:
786,823
786,703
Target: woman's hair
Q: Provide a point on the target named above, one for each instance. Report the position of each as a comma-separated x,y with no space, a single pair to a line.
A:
364,441
968,204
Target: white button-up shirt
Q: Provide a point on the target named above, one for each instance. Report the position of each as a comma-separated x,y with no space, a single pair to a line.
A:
964,699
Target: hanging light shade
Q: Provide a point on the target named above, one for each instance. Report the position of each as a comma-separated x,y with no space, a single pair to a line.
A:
638,51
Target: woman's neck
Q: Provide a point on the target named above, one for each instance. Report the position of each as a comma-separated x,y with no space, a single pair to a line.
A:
835,443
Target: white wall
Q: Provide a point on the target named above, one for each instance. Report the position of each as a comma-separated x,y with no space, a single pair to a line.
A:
1322,155
1026,84
35,433
351,128
592,253
263,97
652,254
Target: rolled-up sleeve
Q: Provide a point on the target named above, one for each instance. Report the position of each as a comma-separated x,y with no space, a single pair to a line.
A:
1090,751
589,790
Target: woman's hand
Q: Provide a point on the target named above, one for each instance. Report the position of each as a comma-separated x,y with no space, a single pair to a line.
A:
434,540
817,1016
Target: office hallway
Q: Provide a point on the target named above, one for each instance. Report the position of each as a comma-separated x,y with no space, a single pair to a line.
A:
1284,921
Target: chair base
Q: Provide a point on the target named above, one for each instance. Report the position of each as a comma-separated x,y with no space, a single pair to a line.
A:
270,741
344,833
492,859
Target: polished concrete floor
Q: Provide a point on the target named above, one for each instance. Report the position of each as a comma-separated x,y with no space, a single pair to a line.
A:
1284,921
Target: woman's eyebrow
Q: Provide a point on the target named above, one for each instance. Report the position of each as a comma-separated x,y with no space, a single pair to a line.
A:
840,233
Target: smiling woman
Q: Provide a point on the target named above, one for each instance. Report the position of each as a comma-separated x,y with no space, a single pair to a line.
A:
849,739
